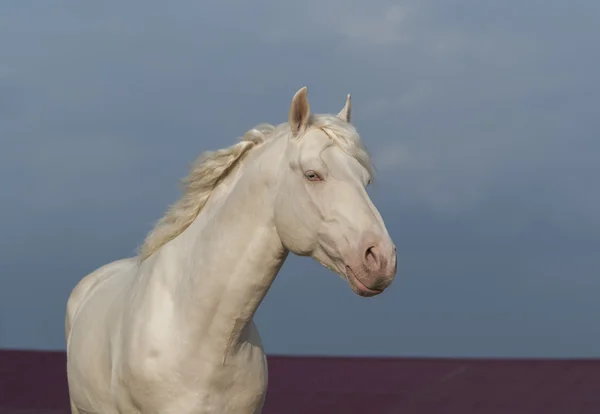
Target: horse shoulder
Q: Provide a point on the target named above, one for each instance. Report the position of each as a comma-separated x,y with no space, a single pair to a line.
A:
86,285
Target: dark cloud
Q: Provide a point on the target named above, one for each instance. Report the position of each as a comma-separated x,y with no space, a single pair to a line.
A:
482,119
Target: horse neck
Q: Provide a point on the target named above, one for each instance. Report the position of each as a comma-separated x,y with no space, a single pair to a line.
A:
221,267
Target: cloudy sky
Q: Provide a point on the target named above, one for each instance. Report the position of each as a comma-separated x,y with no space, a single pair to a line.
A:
482,118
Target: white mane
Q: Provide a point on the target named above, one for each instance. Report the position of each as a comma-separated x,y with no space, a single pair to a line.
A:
211,167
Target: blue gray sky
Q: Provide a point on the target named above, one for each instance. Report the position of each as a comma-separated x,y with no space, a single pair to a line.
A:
482,118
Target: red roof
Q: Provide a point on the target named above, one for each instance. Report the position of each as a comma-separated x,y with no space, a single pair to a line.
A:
318,385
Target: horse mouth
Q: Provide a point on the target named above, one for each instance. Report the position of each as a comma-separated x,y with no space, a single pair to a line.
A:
359,287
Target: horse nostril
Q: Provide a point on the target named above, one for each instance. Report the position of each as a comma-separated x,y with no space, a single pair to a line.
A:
371,258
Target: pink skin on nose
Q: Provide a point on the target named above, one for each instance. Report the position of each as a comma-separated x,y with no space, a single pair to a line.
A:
358,286
373,270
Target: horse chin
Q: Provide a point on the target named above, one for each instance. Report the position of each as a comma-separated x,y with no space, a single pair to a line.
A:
358,287
345,272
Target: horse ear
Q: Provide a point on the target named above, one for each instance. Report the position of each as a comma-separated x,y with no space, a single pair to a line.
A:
346,112
299,112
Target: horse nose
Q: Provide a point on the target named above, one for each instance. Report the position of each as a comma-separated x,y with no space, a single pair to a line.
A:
379,260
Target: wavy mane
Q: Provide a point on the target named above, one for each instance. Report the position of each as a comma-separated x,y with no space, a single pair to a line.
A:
211,167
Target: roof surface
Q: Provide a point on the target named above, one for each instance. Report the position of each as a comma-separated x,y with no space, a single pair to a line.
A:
34,382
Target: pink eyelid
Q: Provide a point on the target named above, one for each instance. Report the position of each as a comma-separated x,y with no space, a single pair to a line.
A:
309,173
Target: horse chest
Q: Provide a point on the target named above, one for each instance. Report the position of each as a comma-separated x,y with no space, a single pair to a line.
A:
202,382
239,385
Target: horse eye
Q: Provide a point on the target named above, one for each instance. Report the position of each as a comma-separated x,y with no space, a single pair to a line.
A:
312,176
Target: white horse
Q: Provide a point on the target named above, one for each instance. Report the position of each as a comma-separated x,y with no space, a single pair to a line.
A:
171,330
